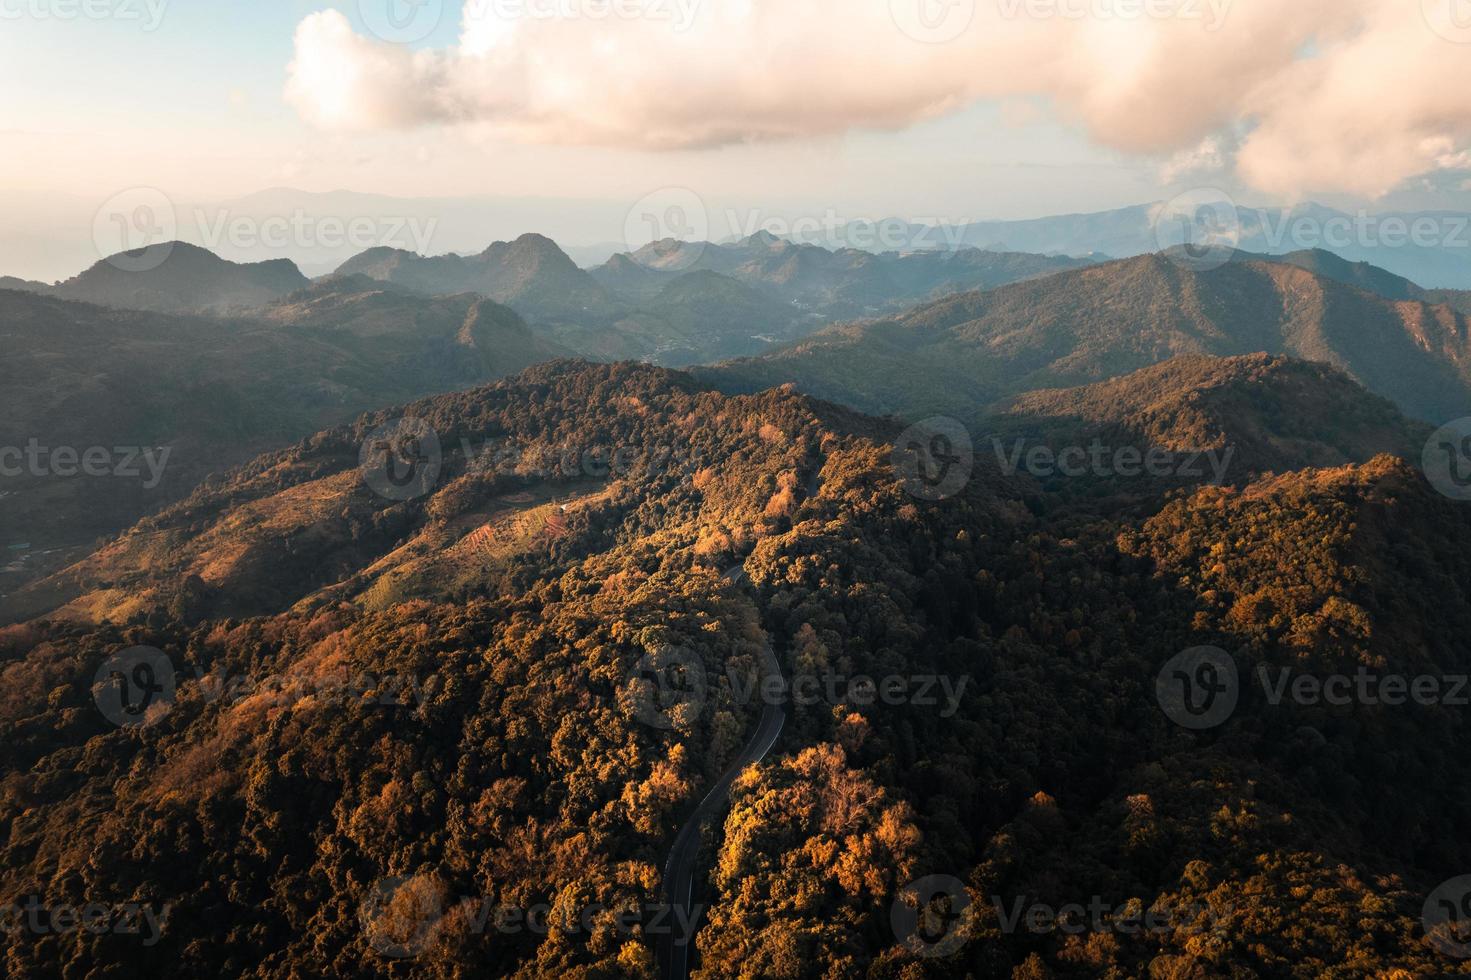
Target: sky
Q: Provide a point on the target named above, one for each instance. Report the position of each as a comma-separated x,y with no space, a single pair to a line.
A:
568,116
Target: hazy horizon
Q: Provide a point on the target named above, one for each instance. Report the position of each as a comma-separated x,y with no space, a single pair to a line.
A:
320,230
936,110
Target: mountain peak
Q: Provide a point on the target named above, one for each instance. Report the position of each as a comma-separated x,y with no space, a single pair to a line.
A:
763,239
180,277
531,274
531,243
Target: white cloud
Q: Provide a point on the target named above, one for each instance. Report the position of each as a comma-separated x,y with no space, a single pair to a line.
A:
340,80
1350,95
1204,158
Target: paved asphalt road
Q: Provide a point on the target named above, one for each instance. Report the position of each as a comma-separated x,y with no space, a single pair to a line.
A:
679,870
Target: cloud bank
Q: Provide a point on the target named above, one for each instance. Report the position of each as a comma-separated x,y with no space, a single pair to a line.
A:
1310,96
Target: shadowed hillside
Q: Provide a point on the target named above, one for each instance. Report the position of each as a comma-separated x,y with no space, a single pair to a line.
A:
171,399
1273,413
959,355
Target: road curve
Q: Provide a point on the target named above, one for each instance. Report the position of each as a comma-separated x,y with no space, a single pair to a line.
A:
679,869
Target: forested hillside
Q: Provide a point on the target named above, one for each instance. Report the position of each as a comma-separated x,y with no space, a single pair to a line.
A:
369,690
168,400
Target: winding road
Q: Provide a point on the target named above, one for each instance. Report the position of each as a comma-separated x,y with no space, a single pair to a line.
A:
680,868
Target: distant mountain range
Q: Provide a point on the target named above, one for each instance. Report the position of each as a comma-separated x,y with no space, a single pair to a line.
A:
680,303
1439,258
960,355
831,284
671,303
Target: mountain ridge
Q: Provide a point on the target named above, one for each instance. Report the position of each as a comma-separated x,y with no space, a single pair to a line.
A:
960,354
177,277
